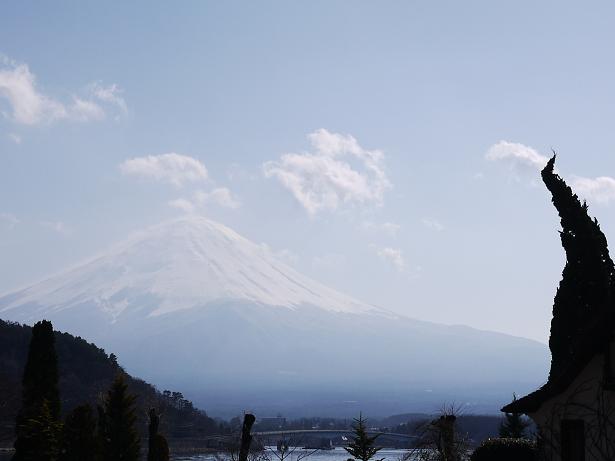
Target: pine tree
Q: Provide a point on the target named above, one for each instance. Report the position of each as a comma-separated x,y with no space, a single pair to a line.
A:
117,420
514,425
79,438
38,420
362,446
584,293
39,437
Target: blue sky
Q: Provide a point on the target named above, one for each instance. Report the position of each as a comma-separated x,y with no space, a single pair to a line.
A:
388,149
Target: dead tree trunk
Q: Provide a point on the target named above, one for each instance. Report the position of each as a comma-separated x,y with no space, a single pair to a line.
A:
246,437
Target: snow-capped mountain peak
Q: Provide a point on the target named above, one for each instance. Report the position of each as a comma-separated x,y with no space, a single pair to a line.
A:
190,303
180,264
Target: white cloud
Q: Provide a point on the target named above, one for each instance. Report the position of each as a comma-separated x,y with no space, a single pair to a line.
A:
393,256
389,228
30,106
172,168
433,224
517,155
338,171
220,196
182,204
18,86
601,189
9,220
83,110
57,226
110,94
179,170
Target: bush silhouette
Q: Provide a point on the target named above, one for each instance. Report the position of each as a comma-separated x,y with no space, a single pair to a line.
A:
505,449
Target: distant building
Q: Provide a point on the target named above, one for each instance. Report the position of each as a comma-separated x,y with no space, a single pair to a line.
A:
575,410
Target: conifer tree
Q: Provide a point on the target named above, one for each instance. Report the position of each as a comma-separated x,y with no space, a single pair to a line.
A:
79,438
584,293
117,418
37,423
39,438
514,425
362,446
40,378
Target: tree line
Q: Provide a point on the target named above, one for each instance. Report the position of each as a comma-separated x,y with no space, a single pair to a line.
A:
87,433
85,374
107,424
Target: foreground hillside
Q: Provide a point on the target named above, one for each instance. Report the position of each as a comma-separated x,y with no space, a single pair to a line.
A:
86,372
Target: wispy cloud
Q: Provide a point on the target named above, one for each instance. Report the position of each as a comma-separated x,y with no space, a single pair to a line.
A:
221,196
432,224
172,168
388,228
182,204
30,106
517,155
393,256
181,171
337,171
110,94
57,226
83,110
600,189
8,220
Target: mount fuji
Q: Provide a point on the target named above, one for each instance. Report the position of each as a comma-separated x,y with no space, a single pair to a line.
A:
191,304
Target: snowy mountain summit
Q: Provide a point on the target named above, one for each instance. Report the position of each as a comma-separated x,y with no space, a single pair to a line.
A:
192,305
181,264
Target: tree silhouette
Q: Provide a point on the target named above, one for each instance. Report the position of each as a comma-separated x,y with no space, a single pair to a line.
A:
40,378
583,299
37,423
158,449
39,438
79,438
440,438
120,440
514,425
362,446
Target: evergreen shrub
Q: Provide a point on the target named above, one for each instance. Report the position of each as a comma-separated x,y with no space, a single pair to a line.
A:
505,449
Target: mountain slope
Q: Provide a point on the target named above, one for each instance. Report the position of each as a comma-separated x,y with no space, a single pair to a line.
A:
191,304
